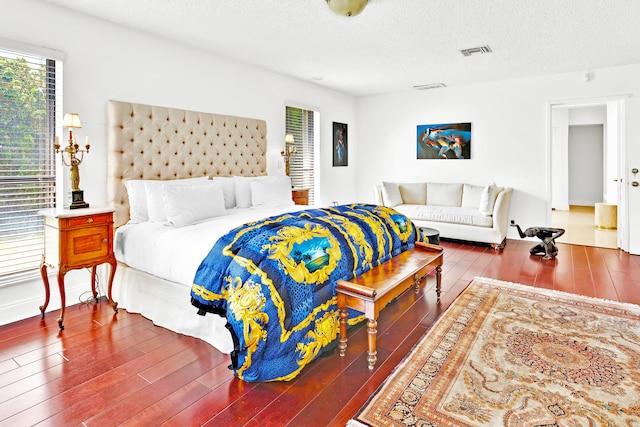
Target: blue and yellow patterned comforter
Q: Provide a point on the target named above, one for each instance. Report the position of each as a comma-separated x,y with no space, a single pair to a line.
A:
275,281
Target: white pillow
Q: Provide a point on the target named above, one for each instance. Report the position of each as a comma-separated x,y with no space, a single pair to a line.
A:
243,188
444,194
471,195
188,204
414,194
229,190
155,201
266,193
137,192
391,194
488,199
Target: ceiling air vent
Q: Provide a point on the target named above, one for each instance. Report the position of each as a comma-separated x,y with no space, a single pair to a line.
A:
429,86
476,50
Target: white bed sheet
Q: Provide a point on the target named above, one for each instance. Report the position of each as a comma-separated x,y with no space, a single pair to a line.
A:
158,264
174,253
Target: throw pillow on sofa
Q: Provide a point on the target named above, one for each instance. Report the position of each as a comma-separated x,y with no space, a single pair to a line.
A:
414,193
488,199
443,194
391,194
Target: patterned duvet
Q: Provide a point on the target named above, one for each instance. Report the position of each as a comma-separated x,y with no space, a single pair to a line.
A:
274,280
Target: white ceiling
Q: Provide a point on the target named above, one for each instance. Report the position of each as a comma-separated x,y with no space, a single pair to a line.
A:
393,45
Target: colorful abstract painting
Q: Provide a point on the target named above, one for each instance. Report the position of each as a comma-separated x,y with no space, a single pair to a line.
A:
444,141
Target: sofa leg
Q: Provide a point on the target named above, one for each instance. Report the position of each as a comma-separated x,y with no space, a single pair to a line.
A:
498,247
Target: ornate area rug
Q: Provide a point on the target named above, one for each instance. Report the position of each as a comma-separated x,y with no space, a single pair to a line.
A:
511,355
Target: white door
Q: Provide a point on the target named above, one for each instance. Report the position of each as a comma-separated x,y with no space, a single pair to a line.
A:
631,173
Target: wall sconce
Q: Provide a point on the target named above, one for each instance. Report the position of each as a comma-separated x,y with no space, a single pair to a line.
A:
288,150
76,154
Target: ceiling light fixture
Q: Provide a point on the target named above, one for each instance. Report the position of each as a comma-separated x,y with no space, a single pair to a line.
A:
347,7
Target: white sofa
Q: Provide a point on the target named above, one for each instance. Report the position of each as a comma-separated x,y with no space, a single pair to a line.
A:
458,211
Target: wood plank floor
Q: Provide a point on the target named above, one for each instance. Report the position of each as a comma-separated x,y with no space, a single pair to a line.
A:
107,369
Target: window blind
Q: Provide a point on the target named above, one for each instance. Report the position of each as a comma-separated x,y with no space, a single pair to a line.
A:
299,123
29,92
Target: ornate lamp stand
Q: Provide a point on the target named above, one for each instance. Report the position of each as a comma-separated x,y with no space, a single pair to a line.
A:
76,155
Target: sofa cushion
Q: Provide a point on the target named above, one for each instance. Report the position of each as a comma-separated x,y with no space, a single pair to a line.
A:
391,194
415,193
440,194
471,195
449,214
488,199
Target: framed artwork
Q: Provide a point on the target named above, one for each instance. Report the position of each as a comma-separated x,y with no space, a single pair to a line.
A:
444,141
340,145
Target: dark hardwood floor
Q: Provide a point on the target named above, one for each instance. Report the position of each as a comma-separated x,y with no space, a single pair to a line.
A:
107,369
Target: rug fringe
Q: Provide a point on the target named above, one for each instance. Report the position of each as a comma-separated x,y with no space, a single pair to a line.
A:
628,305
354,423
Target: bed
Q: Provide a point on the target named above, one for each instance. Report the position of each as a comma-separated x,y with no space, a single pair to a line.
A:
180,156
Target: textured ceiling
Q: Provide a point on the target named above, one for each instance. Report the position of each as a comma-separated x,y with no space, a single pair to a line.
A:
393,45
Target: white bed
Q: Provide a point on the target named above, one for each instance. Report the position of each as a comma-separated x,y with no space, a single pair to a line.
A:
157,261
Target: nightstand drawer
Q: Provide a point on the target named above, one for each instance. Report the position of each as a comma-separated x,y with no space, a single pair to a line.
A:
300,196
85,244
88,220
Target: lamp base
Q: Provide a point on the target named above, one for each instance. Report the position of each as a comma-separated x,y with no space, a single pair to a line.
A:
77,200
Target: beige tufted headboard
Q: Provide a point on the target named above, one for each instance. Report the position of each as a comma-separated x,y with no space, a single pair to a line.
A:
148,142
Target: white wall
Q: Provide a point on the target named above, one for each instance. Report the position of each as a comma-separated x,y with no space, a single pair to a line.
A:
586,165
105,61
509,134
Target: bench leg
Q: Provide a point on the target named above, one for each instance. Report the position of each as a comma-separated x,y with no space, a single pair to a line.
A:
372,331
342,307
438,281
416,283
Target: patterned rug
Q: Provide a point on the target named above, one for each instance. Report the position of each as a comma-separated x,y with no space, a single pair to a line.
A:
511,355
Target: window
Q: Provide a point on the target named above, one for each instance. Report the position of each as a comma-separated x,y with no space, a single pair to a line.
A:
299,123
29,92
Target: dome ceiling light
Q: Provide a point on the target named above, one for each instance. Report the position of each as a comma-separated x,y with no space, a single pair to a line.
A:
347,7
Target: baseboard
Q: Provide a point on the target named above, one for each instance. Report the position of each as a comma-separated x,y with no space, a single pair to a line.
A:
23,300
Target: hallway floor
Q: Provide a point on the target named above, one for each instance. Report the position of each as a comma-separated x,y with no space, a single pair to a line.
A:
579,223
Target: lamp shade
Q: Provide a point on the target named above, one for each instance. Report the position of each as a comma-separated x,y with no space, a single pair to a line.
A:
347,7
288,138
71,120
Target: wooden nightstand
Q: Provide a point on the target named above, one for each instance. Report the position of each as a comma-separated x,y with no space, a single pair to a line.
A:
79,238
300,196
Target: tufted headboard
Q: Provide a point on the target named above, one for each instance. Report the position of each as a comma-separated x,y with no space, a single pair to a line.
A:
148,142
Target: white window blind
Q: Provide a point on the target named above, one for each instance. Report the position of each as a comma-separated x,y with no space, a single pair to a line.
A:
299,123
30,89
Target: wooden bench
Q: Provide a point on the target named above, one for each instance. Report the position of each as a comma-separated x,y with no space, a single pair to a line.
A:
373,290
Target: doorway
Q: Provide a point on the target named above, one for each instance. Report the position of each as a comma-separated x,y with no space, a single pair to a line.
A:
584,166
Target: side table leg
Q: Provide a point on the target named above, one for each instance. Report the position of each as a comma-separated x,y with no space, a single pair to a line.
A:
93,283
47,292
113,263
438,281
63,298
372,331
342,307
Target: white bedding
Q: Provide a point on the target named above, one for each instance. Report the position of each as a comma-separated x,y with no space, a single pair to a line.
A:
174,253
157,266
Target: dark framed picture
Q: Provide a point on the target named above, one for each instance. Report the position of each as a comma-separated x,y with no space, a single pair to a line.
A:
340,145
444,141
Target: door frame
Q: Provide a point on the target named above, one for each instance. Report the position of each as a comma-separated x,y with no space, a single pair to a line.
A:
623,224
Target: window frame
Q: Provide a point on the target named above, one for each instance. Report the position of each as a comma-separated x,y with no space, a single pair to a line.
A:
45,182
